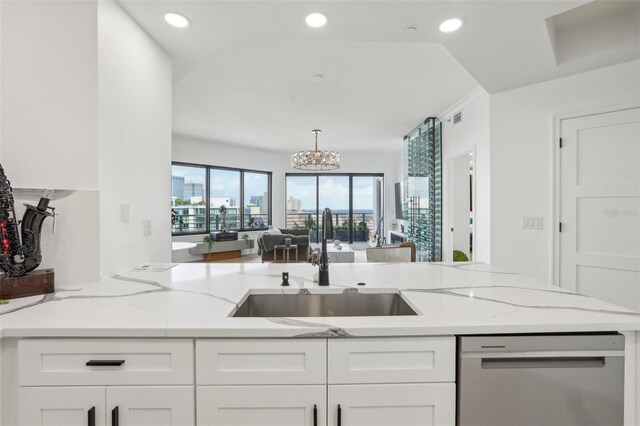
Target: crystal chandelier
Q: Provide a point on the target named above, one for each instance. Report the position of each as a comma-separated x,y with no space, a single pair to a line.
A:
316,160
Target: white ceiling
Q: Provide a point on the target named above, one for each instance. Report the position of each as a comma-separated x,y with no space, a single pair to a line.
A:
243,70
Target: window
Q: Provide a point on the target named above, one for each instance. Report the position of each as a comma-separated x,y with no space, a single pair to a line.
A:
256,200
198,192
188,205
356,201
225,191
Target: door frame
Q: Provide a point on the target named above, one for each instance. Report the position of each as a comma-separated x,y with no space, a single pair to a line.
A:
557,119
448,211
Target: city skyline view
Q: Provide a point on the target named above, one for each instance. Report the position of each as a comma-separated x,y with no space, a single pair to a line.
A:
333,192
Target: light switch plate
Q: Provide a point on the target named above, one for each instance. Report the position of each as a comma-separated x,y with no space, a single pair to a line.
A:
124,213
531,222
146,226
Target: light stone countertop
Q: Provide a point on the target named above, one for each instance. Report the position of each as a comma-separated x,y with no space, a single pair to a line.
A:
195,300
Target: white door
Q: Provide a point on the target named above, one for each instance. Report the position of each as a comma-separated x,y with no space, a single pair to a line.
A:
61,406
600,206
150,405
396,404
286,405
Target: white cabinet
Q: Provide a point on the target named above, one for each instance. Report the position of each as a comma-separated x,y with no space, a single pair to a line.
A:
415,404
298,405
111,405
374,381
236,382
401,381
61,406
99,382
150,405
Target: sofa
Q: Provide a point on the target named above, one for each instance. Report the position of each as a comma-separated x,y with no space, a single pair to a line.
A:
268,240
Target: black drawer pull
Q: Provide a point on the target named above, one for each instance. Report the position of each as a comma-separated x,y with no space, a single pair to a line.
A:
91,421
339,415
105,362
115,416
315,415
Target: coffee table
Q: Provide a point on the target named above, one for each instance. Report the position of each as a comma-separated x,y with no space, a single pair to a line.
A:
346,255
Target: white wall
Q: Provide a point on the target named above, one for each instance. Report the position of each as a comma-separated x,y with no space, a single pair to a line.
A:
472,134
86,106
191,150
48,123
134,133
522,158
49,94
73,250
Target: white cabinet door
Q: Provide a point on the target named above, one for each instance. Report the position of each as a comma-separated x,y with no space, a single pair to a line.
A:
394,404
151,405
287,405
61,406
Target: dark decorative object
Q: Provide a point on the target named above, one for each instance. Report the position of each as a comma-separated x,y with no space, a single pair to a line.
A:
224,236
223,214
19,252
314,257
285,279
36,283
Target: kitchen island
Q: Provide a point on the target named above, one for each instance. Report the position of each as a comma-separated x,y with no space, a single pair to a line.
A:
188,307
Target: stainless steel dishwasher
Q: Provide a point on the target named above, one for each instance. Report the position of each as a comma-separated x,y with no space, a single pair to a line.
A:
552,380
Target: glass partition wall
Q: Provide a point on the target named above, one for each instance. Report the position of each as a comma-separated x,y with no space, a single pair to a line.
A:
422,204
356,201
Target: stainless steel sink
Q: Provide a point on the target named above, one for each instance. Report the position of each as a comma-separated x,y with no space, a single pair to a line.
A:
324,305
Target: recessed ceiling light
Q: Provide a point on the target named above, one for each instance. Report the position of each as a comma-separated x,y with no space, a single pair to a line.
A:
316,20
177,20
451,25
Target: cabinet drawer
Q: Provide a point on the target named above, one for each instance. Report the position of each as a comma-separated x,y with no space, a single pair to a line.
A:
261,361
392,360
111,362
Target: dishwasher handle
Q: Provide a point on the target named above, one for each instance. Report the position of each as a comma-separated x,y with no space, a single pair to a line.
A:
543,362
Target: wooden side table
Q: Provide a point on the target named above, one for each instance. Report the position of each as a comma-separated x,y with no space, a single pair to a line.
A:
286,250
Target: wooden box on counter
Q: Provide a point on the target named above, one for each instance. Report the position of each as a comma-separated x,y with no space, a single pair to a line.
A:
32,284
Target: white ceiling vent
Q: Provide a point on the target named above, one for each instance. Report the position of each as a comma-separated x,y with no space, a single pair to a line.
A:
457,117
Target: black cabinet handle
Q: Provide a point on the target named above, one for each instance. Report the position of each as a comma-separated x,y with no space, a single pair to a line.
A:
115,416
339,415
105,362
91,421
315,415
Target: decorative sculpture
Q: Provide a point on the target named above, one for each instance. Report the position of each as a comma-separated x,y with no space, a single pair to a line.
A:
20,251
223,214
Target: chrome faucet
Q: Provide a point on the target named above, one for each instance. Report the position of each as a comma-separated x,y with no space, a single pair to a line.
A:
327,233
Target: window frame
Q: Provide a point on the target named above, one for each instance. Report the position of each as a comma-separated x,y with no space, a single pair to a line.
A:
317,176
207,196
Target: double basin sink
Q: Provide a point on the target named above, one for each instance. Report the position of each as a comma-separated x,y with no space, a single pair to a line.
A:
306,304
